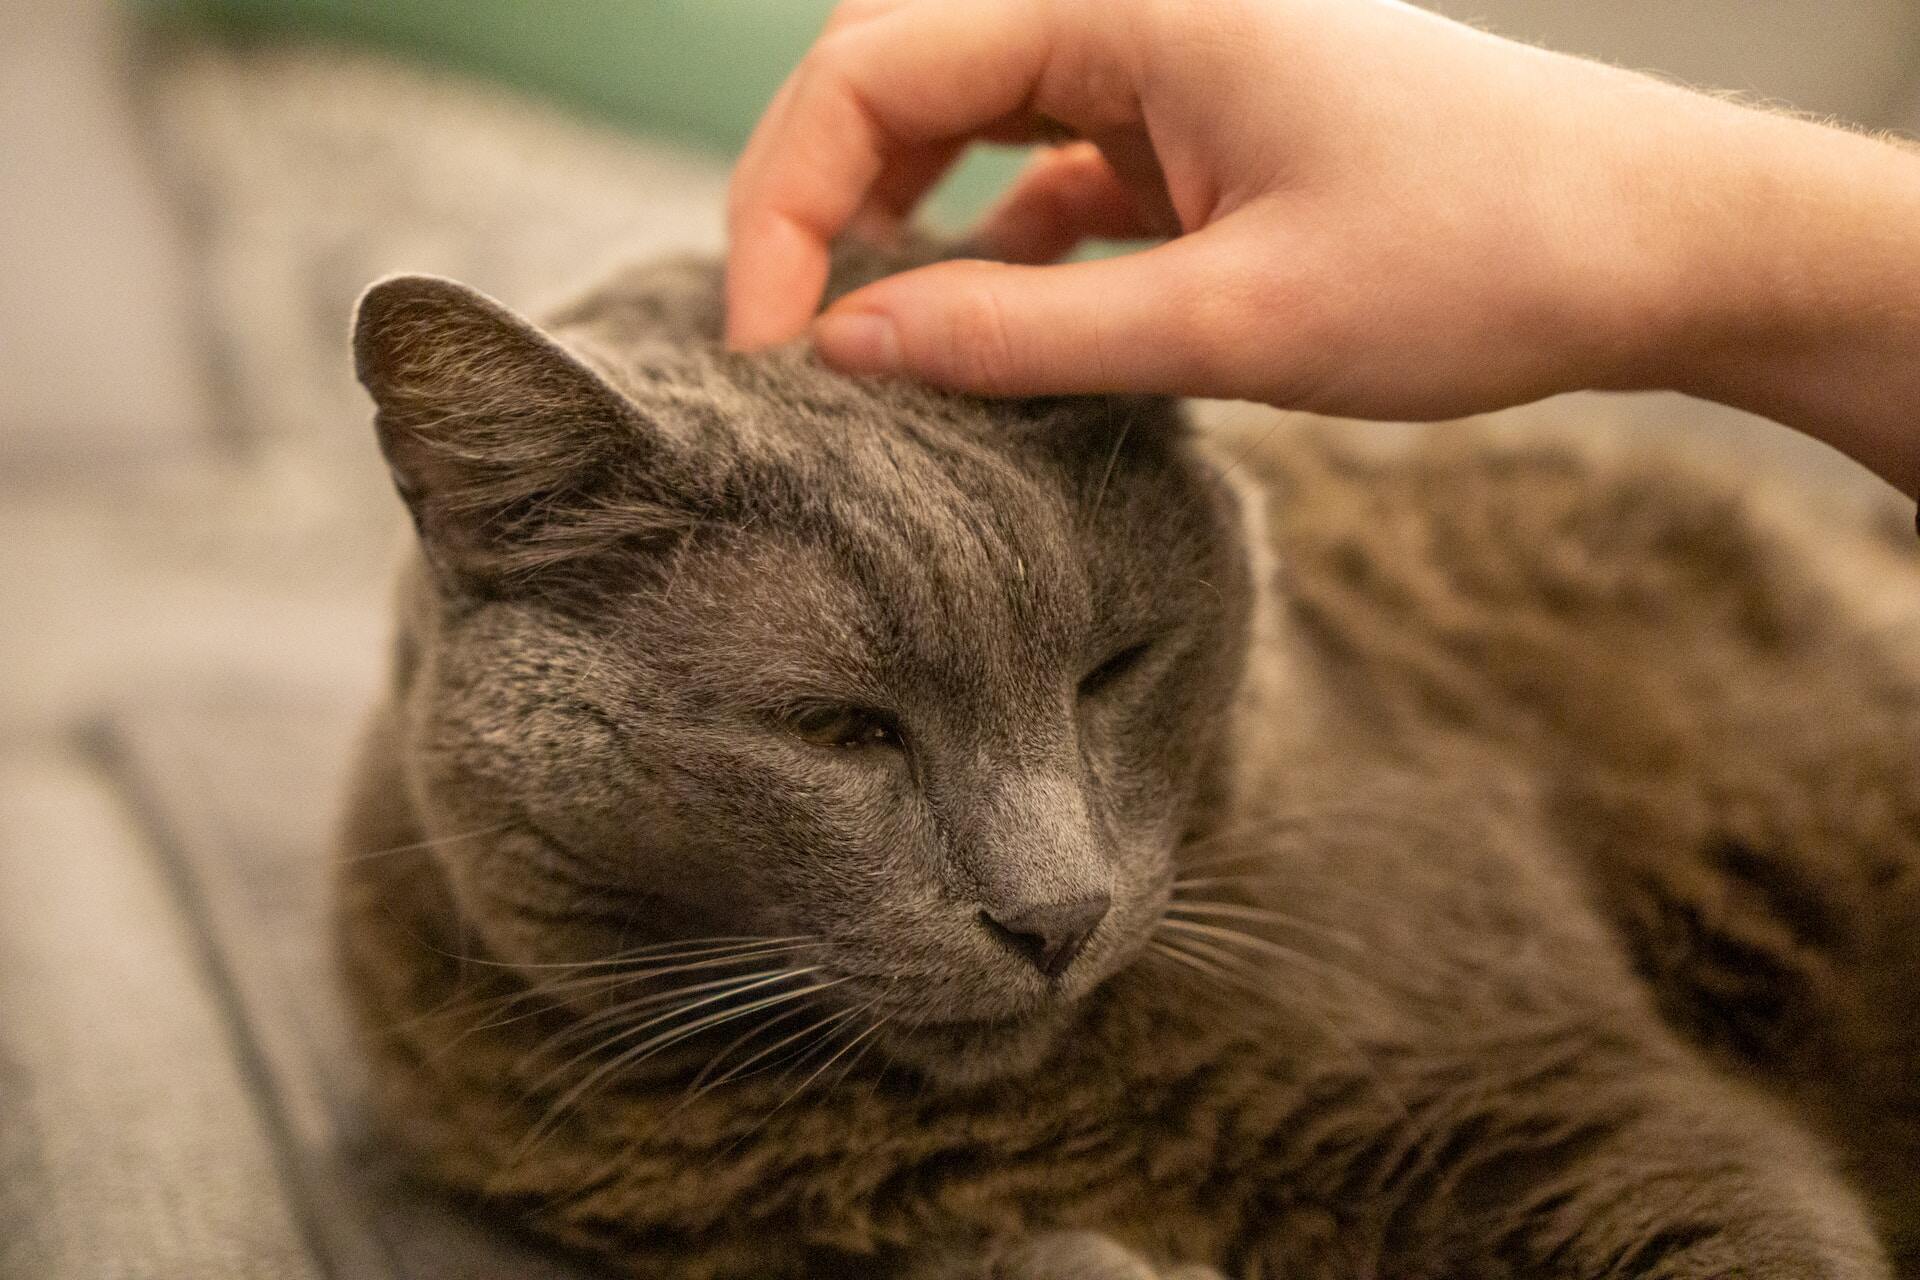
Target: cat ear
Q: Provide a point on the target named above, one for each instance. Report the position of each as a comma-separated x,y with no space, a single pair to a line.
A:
491,429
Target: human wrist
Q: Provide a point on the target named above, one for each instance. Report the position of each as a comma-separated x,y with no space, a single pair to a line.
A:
1789,285
1638,276
1670,283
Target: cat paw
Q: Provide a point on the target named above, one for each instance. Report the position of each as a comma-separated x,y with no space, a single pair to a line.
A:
1084,1255
1055,1255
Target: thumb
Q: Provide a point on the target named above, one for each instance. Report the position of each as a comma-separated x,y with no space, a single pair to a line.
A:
1127,324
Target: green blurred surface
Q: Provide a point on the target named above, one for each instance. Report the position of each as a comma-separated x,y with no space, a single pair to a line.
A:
698,71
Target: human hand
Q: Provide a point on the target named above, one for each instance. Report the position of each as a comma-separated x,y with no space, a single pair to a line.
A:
1370,210
1364,209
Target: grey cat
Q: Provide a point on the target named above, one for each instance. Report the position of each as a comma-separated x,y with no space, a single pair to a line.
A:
835,828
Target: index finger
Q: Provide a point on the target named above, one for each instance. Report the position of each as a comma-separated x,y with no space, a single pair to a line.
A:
865,95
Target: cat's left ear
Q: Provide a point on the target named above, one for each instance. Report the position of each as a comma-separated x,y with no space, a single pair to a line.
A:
493,431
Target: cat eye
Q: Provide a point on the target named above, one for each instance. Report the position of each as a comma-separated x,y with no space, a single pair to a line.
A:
840,726
1113,670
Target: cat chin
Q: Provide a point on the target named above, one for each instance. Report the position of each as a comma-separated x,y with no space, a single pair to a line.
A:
963,1055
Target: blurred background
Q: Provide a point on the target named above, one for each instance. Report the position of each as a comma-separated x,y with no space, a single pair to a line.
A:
195,190
195,530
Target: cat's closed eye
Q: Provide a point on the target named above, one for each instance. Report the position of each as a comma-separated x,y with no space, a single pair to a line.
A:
842,726
1113,670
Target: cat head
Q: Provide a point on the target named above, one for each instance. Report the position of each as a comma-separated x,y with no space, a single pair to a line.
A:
704,645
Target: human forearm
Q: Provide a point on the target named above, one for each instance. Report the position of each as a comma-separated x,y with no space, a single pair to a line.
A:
1805,298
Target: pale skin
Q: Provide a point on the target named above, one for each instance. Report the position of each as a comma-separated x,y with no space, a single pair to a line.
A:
1360,208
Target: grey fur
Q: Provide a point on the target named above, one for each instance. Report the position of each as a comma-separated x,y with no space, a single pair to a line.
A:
1427,1047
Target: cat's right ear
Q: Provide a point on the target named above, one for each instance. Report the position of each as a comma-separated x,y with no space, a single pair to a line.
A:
492,430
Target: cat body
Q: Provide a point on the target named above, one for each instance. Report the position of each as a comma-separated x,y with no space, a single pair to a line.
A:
1161,860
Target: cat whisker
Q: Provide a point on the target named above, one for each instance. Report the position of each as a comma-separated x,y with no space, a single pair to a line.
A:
1262,822
1119,443
1298,882
599,1019
1285,421
872,1029
461,1000
1231,945
499,990
853,1063
1208,882
658,953
703,947
483,1010
1241,866
1401,824
632,1056
701,1085
541,995
1252,826
1213,944
708,992
1239,971
676,1034
595,1021
1211,969
619,977
817,1045
1262,915
419,846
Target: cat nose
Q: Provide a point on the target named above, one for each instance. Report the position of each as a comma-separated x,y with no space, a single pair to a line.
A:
1049,935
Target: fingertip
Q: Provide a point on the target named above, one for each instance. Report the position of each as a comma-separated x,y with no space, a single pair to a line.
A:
1111,325
861,342
774,278
939,324
748,328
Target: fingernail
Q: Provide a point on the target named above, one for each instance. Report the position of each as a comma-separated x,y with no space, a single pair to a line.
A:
859,342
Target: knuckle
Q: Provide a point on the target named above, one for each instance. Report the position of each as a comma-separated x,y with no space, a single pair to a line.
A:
853,12
832,84
749,215
833,54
